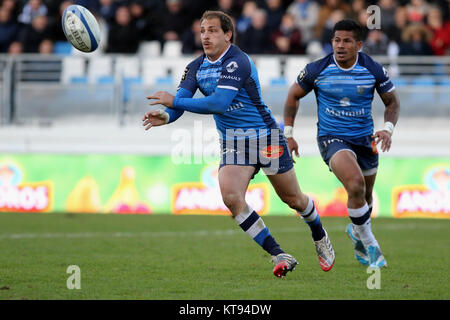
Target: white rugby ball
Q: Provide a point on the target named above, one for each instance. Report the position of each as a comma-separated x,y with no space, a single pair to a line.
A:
81,28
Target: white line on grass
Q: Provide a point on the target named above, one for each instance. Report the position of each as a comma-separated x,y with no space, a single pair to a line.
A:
197,233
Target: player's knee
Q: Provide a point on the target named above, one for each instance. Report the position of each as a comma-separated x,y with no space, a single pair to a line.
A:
293,201
356,188
234,202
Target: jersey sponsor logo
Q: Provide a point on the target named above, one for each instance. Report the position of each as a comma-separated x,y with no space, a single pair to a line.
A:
232,66
228,77
360,89
330,141
374,147
345,113
186,71
302,74
345,102
386,74
236,106
385,83
272,152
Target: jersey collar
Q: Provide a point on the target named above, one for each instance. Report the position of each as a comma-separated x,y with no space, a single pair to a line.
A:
348,69
221,56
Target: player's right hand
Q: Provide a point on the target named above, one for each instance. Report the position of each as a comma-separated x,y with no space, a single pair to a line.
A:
293,147
155,118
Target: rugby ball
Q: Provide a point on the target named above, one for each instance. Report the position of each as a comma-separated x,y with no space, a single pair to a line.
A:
81,28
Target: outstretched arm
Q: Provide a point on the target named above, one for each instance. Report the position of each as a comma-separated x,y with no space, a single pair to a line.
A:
290,111
391,114
216,103
160,117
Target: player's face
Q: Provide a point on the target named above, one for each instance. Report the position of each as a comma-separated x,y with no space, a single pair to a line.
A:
214,40
345,47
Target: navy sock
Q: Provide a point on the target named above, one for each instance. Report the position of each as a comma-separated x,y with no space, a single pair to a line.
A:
316,229
271,246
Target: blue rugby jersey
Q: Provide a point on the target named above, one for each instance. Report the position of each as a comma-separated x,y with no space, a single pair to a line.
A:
344,96
234,70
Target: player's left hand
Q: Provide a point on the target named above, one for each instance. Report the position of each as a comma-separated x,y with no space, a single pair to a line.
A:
162,97
385,138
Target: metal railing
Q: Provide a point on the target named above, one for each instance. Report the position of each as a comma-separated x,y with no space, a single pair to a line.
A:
32,88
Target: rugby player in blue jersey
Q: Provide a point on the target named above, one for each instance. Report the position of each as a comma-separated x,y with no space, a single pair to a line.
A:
250,137
344,83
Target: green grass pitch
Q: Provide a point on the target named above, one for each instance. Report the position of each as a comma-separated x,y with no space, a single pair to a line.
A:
210,258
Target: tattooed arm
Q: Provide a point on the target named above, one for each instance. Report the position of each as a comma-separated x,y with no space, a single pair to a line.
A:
290,111
391,114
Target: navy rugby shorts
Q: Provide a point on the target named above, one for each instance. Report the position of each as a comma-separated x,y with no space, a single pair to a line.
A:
363,148
269,153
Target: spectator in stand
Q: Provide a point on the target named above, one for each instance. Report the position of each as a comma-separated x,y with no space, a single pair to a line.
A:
327,32
107,10
55,24
287,39
33,34
357,6
8,29
46,46
325,12
255,39
12,6
275,14
123,36
228,7
173,21
245,20
416,39
377,43
387,12
440,42
15,48
139,16
32,9
363,16
401,21
191,41
417,10
306,13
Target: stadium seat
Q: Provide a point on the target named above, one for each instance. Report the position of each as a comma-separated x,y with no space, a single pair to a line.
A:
149,49
177,68
292,68
269,68
73,70
172,49
400,81
99,69
127,67
155,70
423,81
444,81
62,48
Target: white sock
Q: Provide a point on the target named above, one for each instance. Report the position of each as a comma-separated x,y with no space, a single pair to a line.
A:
364,232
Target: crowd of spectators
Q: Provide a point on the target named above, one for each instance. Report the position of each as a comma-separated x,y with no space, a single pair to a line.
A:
408,27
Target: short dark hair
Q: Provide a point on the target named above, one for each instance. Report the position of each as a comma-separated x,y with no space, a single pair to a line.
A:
226,22
350,25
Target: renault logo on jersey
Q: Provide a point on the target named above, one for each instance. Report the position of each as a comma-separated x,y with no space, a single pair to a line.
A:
232,66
